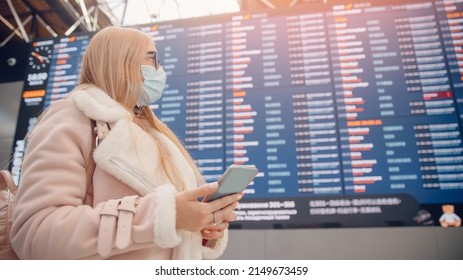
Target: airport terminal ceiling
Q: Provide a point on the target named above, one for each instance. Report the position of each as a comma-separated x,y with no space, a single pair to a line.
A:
40,18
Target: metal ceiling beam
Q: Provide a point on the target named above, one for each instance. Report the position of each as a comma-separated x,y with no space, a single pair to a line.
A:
124,13
59,8
15,31
10,26
79,21
293,3
268,4
110,16
83,7
95,19
47,27
104,7
75,14
18,21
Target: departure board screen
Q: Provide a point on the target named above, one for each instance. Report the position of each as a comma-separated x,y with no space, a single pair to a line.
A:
352,112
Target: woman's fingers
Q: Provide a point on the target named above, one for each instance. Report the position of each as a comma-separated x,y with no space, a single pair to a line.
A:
220,226
226,214
202,191
215,232
224,201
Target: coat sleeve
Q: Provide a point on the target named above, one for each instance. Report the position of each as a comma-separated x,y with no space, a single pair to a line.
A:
214,248
50,219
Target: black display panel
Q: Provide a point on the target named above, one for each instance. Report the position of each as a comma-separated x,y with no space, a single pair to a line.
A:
352,112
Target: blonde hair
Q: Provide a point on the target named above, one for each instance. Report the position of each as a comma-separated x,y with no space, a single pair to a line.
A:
112,63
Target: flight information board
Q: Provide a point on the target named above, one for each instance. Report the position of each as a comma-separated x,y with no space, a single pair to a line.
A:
352,112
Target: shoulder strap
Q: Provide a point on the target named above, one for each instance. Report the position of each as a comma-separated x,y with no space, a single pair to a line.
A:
6,182
100,130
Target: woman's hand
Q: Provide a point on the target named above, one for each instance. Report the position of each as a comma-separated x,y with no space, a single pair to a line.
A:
216,232
195,216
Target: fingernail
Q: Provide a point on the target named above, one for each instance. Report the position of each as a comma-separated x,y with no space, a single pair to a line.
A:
214,185
207,231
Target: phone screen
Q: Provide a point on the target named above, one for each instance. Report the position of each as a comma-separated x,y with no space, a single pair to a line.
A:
234,180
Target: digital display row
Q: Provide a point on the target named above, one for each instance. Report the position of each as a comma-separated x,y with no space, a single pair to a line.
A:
352,112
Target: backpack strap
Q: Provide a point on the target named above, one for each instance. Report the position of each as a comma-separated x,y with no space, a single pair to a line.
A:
6,182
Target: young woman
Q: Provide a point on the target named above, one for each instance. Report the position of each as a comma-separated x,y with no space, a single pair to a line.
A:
134,195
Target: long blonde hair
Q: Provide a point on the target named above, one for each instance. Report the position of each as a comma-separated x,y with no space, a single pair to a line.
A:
112,63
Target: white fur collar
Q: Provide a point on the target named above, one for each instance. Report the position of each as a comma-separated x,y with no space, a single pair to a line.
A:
128,153
97,105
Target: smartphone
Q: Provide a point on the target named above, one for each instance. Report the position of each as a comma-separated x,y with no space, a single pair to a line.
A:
234,180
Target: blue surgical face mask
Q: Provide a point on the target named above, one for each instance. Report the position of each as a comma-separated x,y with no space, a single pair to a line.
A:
152,86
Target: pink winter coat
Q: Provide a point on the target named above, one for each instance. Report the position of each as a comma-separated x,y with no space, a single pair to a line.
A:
133,212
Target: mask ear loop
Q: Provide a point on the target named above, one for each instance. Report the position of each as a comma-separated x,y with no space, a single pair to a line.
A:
145,99
157,63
